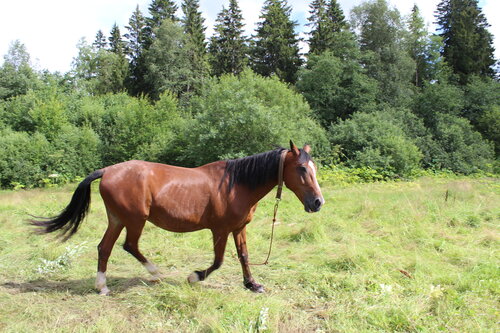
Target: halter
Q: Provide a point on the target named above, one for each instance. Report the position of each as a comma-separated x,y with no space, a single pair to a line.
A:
278,199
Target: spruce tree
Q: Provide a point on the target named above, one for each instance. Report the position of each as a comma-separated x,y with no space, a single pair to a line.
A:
196,45
467,42
116,44
327,19
193,26
417,44
100,41
159,10
276,46
228,47
136,35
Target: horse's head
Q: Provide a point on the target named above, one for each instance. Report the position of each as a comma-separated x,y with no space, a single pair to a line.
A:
299,175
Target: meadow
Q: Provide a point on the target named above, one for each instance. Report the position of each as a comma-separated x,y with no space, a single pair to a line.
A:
417,256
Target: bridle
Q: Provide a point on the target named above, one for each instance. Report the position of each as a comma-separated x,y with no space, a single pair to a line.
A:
276,205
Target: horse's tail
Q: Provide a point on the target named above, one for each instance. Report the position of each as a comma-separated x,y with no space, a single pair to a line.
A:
70,218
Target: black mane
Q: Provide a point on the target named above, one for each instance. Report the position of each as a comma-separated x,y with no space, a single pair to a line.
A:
256,170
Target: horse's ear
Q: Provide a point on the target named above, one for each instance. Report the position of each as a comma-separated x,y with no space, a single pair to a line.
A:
294,149
307,148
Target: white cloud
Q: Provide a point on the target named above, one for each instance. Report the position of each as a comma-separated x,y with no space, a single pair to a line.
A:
51,29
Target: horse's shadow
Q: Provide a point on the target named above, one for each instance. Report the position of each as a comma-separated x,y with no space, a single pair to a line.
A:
81,287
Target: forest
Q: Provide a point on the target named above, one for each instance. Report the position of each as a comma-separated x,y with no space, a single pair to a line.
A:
375,90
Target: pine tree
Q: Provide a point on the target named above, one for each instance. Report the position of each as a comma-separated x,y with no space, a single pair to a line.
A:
467,42
100,41
228,45
276,46
116,44
417,42
326,20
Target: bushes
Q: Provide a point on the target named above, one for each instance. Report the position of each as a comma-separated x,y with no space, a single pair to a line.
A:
49,131
239,116
374,140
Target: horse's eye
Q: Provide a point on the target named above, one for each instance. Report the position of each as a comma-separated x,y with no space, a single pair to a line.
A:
302,169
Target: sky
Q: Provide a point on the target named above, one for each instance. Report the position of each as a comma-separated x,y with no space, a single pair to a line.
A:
51,29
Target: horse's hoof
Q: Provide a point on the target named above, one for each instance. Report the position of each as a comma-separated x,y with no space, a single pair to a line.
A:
155,278
255,287
104,291
193,277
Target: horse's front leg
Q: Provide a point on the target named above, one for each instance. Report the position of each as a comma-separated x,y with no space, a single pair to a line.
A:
220,240
240,240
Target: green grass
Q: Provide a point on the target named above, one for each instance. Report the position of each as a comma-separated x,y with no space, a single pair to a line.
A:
383,257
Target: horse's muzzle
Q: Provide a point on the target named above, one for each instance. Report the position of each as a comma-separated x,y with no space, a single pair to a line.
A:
313,204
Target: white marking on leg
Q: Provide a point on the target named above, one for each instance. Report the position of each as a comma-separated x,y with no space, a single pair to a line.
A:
193,278
152,269
100,283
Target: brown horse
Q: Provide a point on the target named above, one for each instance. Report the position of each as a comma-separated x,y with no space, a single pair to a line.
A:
220,196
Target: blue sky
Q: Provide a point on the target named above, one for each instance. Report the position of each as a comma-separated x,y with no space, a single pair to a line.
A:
51,29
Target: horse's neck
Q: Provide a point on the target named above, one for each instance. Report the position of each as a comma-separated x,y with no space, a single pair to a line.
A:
260,192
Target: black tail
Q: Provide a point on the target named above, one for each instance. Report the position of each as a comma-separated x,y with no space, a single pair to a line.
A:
70,218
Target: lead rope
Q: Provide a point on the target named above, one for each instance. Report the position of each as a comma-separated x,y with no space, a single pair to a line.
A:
276,205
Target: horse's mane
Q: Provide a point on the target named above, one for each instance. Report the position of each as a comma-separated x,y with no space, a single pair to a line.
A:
256,170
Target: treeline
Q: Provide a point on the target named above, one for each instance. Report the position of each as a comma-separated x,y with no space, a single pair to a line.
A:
377,90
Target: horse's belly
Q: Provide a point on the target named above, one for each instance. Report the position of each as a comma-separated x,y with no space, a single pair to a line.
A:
180,216
176,225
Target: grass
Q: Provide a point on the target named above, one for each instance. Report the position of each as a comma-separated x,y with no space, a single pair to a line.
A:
382,257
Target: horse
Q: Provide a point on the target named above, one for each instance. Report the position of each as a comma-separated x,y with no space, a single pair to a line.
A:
221,196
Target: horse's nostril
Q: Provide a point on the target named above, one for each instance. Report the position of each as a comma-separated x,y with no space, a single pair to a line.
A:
317,203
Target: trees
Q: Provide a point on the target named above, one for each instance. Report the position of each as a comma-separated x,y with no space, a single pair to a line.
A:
417,42
100,41
228,48
99,71
381,37
275,49
16,74
136,36
168,61
467,42
335,88
160,10
116,43
196,46
326,20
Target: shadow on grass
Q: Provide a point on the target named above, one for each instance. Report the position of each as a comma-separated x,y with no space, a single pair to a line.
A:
81,287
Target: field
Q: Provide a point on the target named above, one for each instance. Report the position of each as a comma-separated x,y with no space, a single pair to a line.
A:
402,256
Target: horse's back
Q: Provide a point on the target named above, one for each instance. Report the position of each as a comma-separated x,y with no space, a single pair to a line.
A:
174,198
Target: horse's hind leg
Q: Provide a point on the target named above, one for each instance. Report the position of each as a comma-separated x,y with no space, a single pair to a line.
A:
220,240
131,245
104,248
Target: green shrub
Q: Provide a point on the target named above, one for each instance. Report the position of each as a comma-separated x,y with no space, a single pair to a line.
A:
239,116
372,140
132,128
460,148
23,158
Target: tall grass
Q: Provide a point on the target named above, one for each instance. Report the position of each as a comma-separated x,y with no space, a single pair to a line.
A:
378,257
